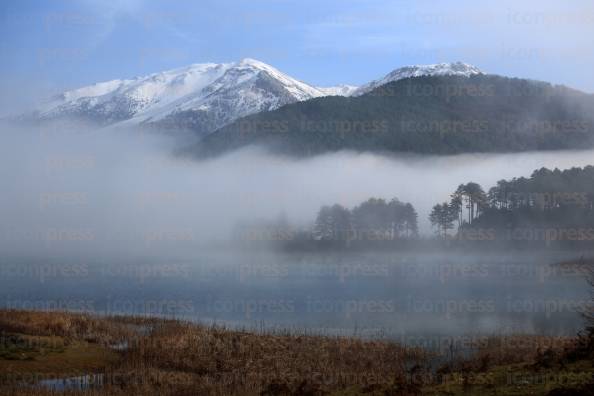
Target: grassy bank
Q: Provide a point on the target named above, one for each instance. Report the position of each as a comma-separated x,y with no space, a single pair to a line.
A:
138,356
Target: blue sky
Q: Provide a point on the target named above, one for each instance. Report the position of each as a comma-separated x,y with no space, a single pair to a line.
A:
48,46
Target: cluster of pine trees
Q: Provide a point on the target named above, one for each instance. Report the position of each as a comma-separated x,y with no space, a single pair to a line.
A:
548,198
553,206
373,220
470,197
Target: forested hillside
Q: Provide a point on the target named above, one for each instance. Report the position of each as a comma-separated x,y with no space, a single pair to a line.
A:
430,115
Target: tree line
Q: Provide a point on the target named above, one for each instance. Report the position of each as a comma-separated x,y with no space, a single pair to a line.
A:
548,199
550,206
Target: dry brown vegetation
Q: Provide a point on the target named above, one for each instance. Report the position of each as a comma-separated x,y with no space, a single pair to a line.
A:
85,327
139,356
176,358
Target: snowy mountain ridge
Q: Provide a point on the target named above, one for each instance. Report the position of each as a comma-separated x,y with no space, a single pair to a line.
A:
205,97
438,69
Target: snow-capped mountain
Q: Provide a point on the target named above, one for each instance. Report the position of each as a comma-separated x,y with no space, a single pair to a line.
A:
245,88
439,69
202,97
119,100
205,97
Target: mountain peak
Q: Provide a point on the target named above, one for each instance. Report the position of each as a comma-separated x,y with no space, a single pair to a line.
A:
437,69
253,62
452,68
200,96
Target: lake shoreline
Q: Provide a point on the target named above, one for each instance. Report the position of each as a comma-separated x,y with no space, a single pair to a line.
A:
173,357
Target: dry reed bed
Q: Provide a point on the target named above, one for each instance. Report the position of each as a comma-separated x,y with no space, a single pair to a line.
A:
183,359
177,358
82,327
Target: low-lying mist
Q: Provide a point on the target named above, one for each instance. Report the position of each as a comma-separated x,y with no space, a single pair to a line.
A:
102,193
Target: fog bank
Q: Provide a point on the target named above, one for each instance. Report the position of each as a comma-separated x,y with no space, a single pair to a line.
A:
79,191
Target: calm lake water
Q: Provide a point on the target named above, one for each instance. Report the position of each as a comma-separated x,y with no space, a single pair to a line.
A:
397,296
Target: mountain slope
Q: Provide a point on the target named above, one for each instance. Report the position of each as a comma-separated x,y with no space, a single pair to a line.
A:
118,100
430,114
200,97
248,88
